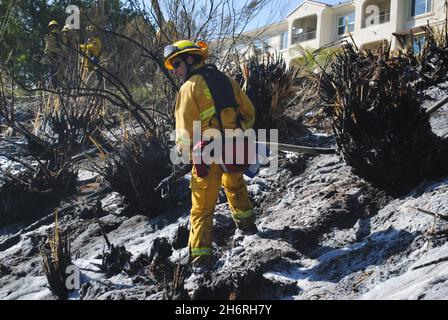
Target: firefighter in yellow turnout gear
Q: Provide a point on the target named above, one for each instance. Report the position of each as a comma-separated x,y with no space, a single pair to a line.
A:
69,41
91,52
195,103
52,41
53,53
69,55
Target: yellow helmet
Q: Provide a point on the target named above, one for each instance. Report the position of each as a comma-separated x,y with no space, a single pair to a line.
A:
66,28
53,23
170,52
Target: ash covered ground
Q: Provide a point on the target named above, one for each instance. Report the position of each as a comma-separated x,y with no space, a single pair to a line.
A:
324,234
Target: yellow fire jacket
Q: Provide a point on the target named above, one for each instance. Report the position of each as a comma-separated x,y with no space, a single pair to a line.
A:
194,102
91,49
52,45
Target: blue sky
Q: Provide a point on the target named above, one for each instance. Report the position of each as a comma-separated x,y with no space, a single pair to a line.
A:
265,16
276,11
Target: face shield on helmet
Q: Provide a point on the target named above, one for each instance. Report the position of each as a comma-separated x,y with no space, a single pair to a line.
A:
169,51
184,46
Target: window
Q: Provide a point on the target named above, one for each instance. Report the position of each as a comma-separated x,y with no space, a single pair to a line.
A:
284,40
351,22
346,23
419,7
341,26
418,43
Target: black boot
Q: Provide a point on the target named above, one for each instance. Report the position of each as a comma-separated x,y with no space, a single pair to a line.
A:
203,265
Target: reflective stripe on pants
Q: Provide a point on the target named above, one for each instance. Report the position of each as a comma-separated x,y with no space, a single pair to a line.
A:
204,195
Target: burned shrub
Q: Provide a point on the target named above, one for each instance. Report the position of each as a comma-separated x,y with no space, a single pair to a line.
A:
63,123
135,169
308,107
56,259
269,85
61,128
115,260
175,289
434,56
380,127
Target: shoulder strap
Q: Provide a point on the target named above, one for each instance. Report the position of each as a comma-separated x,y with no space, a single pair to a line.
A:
220,88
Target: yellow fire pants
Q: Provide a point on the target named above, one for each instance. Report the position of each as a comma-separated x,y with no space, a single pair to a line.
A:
204,195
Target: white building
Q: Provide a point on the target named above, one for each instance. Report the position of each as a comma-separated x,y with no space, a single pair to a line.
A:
314,24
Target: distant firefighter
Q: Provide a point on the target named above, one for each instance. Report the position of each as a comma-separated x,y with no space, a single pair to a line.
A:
53,53
69,53
91,51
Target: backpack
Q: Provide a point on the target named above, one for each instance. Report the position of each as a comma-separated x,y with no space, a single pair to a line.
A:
221,90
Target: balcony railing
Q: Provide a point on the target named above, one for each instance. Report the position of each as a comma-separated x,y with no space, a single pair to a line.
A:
303,37
373,20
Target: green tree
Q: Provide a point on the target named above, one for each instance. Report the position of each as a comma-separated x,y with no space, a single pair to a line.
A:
314,60
23,27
